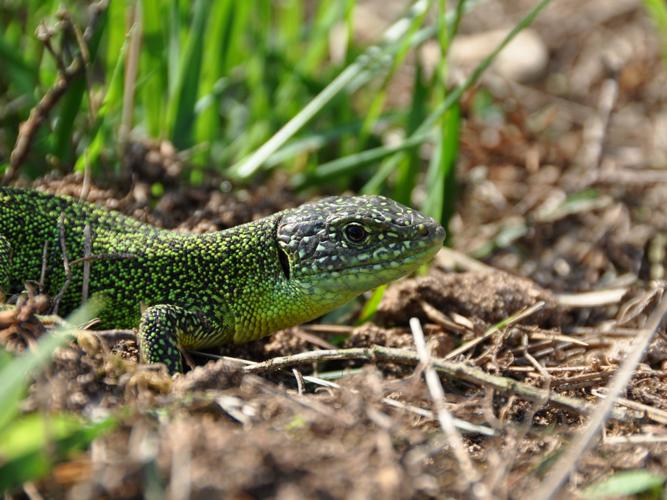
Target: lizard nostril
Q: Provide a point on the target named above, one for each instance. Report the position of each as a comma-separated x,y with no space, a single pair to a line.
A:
422,230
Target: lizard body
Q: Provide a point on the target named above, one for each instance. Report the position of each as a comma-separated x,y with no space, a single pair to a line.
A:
235,285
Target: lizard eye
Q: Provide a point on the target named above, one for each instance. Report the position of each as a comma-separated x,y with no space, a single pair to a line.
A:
355,233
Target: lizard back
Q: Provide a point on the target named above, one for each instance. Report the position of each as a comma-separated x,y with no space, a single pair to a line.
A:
132,264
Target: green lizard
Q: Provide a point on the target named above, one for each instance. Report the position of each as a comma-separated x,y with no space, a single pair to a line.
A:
198,291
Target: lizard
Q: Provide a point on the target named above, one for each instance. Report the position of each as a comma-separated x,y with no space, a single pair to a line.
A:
188,291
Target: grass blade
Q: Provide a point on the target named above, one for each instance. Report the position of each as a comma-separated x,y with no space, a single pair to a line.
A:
172,35
423,133
153,72
73,99
115,33
15,376
113,101
17,71
32,444
481,68
64,129
372,304
329,12
252,164
627,483
348,164
658,12
404,44
221,21
182,110
441,198
409,166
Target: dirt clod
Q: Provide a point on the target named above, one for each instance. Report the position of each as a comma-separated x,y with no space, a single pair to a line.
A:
489,297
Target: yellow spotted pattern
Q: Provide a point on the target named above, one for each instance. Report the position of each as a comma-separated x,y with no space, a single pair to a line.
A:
205,290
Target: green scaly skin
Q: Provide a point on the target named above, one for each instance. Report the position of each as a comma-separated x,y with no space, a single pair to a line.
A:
200,291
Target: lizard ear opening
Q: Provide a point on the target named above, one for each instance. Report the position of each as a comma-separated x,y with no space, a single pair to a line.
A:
284,262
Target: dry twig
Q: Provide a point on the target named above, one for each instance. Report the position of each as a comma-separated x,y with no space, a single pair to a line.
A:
450,369
461,425
597,298
470,477
495,328
567,463
299,381
66,266
655,414
45,265
598,130
453,259
87,249
39,114
131,71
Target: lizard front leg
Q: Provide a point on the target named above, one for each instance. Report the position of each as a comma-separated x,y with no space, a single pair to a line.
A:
163,328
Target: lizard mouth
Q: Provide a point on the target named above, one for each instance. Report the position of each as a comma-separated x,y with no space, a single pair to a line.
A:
417,256
397,265
347,282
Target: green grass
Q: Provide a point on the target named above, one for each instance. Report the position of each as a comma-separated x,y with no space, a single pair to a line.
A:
639,482
244,88
31,443
657,10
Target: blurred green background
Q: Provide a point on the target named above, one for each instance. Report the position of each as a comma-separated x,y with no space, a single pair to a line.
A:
239,89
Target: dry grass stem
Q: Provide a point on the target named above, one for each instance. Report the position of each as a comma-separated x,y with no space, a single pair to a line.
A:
567,463
597,298
469,474
450,369
524,313
87,249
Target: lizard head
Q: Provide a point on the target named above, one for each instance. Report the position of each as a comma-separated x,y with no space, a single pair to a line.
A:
344,245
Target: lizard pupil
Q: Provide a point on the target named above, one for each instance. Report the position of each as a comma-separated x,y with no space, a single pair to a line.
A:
355,233
284,262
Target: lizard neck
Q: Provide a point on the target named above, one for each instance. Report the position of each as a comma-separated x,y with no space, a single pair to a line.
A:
255,287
